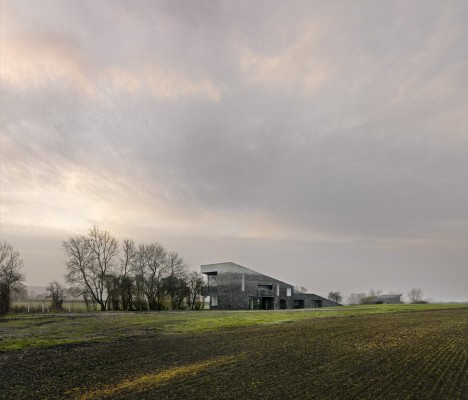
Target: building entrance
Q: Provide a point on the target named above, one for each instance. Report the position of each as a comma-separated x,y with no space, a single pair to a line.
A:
298,303
267,303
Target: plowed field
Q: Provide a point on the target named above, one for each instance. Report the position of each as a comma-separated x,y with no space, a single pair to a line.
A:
399,355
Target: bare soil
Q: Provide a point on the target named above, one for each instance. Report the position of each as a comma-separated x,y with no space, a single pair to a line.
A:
417,355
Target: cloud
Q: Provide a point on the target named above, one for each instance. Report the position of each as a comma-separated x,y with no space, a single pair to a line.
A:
307,123
299,66
41,58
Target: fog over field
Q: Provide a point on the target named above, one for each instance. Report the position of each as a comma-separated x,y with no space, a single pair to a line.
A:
322,143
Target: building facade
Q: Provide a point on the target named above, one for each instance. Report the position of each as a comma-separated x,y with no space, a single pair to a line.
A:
233,287
389,299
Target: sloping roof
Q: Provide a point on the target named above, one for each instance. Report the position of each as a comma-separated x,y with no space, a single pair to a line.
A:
224,267
388,296
233,267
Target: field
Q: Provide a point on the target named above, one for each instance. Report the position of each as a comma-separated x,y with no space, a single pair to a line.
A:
371,352
44,306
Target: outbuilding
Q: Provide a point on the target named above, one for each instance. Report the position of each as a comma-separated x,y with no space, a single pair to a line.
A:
389,299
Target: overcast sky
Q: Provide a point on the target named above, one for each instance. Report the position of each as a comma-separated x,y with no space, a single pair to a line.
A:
323,143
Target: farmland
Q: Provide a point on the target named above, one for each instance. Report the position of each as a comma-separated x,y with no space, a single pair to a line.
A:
41,306
391,352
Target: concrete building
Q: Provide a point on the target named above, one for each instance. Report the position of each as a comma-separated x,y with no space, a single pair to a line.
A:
233,287
388,299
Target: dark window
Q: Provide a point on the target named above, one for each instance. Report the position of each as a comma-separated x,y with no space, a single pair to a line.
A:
267,287
267,303
298,303
255,303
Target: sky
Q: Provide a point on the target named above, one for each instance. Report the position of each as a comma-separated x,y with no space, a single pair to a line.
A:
322,143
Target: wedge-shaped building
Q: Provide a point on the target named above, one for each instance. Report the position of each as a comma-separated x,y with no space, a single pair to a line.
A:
233,287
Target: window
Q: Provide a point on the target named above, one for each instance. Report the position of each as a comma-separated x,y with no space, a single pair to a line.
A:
254,303
288,292
214,301
266,287
212,281
277,290
242,283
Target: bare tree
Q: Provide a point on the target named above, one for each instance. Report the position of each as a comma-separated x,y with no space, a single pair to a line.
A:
104,249
129,256
176,289
175,264
175,284
356,298
151,263
146,277
82,291
139,301
56,290
79,272
10,274
20,293
371,298
125,280
335,296
91,259
195,283
415,295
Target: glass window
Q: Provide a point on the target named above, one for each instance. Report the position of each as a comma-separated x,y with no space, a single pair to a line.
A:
288,292
212,281
254,303
267,287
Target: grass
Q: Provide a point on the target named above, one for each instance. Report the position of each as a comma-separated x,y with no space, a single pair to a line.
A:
44,306
145,381
23,331
370,352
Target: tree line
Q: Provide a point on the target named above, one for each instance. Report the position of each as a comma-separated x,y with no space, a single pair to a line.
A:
114,276
128,276
415,296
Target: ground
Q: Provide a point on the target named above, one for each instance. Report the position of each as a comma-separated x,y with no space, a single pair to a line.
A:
375,352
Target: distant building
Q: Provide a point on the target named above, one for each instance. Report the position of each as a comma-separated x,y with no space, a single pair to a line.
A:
388,299
233,287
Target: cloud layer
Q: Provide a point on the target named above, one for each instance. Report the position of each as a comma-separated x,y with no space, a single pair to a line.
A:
270,125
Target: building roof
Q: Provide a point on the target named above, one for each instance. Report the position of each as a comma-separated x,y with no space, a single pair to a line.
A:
388,296
224,267
233,267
